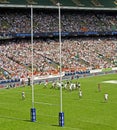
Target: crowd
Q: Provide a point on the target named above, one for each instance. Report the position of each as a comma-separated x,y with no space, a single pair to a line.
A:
13,21
77,54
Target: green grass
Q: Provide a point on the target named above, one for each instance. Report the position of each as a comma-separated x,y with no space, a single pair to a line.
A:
88,113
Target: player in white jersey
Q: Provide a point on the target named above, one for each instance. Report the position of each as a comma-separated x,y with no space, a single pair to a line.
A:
80,94
23,95
106,97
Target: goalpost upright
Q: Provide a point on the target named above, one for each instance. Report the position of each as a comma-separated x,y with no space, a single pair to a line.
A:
61,113
33,110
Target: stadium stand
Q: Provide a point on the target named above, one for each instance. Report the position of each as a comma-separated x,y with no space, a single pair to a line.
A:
78,55
81,53
19,22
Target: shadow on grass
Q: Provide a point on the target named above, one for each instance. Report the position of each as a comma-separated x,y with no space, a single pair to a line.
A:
14,118
25,120
55,125
48,124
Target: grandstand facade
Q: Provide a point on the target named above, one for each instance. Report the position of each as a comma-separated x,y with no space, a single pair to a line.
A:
67,4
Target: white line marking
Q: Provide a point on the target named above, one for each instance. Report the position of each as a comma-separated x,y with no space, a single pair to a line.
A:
46,103
110,81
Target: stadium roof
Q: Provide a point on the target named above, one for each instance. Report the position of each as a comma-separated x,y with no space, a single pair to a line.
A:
65,4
